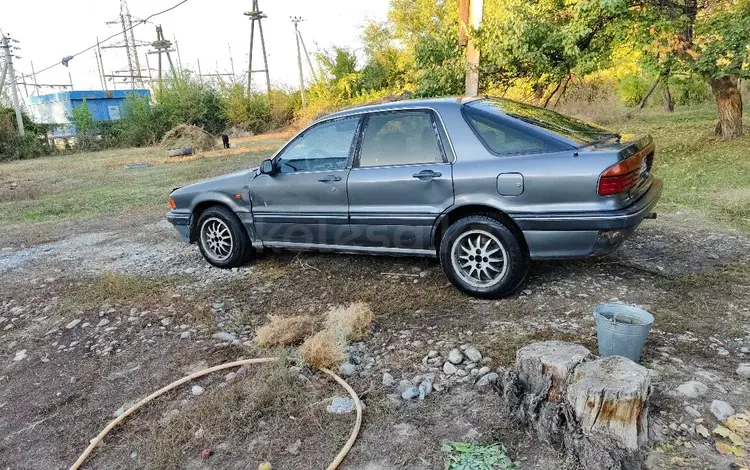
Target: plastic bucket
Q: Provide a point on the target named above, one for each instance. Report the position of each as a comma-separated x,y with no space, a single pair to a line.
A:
621,330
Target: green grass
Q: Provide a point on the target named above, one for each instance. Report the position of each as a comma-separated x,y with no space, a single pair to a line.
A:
699,171
95,185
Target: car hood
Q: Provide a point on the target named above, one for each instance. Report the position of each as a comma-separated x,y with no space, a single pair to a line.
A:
228,181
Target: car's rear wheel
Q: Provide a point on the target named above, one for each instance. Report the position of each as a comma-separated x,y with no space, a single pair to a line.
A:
483,257
222,239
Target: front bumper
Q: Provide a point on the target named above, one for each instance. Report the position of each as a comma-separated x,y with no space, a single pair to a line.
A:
181,221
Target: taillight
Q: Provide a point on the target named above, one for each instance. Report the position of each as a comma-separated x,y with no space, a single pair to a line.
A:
624,175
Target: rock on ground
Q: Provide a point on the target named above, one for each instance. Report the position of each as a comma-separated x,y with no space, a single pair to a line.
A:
473,354
721,409
341,405
744,371
455,356
692,389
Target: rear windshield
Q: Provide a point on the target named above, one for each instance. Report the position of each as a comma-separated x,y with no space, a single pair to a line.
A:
575,130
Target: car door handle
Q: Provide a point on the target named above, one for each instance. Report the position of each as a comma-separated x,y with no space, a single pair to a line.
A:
427,175
330,179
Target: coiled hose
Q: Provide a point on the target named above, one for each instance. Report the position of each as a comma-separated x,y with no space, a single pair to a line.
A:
334,465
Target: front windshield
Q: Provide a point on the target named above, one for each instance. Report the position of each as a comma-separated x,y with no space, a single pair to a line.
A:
576,130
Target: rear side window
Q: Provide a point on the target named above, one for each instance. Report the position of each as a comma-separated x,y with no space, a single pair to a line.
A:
505,137
399,138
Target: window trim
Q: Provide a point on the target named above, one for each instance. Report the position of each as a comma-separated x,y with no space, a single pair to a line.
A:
532,130
352,146
435,127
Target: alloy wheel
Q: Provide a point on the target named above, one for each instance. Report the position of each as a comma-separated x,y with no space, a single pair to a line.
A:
216,239
479,258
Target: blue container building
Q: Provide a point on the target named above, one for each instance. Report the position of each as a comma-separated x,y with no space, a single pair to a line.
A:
57,108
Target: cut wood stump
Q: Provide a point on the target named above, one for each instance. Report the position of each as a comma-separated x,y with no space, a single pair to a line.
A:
595,409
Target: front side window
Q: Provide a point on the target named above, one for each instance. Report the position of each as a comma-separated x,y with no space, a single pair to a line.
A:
323,147
504,137
399,138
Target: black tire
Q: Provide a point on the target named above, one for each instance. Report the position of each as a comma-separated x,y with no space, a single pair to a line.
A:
241,247
506,277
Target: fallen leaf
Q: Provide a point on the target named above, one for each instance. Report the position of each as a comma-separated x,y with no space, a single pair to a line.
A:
702,431
727,449
736,422
731,435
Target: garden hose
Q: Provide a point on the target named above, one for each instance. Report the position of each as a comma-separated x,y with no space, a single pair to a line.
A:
334,465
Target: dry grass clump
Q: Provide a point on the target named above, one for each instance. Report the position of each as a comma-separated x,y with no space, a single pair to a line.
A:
285,331
186,135
343,324
326,349
354,321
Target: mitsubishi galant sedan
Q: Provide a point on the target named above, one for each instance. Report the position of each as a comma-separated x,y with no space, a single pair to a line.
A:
485,185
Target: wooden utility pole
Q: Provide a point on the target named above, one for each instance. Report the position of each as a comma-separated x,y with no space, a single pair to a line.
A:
307,55
296,20
257,15
470,18
162,46
13,85
100,64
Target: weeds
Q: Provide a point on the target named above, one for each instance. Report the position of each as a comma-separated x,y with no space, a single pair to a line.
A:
468,456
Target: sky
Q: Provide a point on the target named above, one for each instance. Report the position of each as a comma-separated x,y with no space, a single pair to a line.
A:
48,30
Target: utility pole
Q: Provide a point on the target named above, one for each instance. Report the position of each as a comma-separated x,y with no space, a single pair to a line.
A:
33,76
13,86
100,64
179,57
231,62
257,15
2,78
296,20
200,75
162,46
312,69
470,18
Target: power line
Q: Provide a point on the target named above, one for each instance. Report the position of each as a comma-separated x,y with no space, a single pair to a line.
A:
139,22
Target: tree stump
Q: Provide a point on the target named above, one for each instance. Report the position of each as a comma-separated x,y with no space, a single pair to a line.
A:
536,387
596,409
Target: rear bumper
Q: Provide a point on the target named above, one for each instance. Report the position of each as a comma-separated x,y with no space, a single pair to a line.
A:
181,222
579,235
628,217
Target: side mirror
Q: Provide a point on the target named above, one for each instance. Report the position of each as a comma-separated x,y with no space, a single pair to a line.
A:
266,167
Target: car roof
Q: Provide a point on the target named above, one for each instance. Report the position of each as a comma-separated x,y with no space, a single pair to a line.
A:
402,104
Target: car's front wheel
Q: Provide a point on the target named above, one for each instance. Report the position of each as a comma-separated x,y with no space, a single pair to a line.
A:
222,239
483,257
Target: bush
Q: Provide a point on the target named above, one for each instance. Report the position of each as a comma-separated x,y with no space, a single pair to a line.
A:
141,124
688,90
632,89
13,146
184,100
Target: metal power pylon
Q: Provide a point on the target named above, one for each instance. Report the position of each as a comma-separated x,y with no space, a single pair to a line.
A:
129,43
257,15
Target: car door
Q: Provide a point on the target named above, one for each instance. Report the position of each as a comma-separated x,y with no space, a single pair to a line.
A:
304,200
400,182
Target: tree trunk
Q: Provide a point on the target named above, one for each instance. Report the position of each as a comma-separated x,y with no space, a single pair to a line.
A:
729,106
668,103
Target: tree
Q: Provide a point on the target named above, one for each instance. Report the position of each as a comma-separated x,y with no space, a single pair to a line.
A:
719,52
84,124
709,38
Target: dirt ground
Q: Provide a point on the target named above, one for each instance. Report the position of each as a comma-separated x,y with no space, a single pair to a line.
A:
92,322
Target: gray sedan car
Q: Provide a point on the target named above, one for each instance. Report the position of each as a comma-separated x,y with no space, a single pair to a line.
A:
483,184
